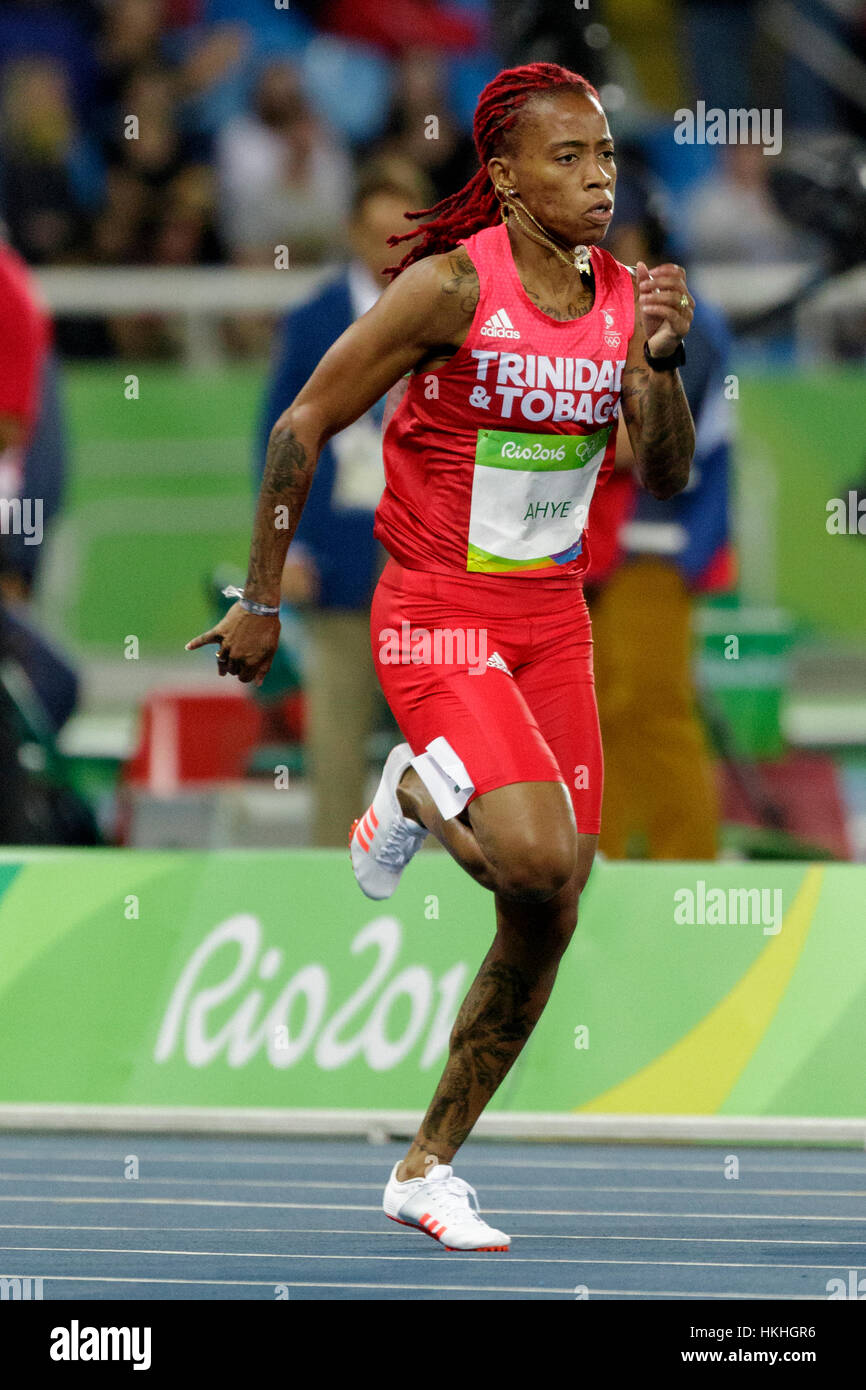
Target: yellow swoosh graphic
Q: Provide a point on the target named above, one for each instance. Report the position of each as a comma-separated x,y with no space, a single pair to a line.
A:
696,1075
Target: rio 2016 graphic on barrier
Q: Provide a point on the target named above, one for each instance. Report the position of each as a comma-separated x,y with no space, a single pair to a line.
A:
433,1003
266,980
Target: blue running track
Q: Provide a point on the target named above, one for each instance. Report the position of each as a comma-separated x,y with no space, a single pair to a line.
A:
238,1218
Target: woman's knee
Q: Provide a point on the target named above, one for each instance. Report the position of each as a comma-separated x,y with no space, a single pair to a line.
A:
538,868
528,836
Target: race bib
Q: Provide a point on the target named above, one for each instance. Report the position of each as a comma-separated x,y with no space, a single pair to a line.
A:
530,498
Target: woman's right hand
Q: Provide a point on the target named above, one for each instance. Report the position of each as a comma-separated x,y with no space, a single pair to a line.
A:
246,642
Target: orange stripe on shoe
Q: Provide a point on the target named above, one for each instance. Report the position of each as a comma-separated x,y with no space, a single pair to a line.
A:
374,818
477,1249
360,837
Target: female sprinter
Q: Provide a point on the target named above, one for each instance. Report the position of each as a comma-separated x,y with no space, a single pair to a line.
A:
511,339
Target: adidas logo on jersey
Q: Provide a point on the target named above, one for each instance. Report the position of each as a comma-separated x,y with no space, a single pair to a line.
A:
499,325
496,660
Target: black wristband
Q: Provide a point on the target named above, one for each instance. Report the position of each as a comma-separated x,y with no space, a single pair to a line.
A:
665,364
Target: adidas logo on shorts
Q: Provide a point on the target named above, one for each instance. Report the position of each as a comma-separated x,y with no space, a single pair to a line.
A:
496,660
499,325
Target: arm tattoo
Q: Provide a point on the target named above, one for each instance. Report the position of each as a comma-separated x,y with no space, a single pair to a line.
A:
286,482
463,281
286,466
492,1026
657,412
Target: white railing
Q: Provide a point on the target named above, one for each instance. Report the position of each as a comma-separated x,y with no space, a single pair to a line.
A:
201,296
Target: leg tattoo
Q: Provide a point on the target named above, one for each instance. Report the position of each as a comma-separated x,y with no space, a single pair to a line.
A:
493,1024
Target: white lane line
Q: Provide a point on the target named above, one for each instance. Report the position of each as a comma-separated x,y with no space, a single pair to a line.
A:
482,1289
294,1283
723,1188
470,1157
489,1211
391,1235
468,1257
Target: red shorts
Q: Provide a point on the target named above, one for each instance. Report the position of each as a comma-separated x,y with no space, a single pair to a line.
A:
502,670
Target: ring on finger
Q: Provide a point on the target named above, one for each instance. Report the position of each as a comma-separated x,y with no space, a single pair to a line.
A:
684,301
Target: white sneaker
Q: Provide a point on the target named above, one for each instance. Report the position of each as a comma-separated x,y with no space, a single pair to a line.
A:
382,841
439,1206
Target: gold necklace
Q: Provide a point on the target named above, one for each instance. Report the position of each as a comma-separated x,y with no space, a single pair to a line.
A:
577,257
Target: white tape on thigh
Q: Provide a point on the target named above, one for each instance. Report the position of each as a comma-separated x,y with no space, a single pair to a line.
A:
445,777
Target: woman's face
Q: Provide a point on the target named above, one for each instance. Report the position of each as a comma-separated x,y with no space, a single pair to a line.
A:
559,157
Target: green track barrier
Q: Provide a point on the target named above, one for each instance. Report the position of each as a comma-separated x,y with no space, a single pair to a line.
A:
267,980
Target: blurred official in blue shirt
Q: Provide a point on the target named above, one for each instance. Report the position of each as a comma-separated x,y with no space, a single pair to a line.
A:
334,561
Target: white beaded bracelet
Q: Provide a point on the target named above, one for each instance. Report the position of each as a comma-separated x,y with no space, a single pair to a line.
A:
261,610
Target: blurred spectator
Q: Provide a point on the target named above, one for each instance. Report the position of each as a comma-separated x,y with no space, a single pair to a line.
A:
284,178
37,807
159,205
12,774
59,33
720,38
152,150
546,31
50,678
404,26
250,119
25,335
117,232
334,561
275,32
726,38
49,172
422,127
649,559
43,476
213,81
731,216
131,39
185,232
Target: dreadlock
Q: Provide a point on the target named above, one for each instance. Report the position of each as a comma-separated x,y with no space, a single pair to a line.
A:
476,206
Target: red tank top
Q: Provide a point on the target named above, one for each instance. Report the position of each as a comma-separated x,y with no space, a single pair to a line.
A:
491,461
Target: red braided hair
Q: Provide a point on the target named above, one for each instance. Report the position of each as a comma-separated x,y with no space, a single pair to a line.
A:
476,206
